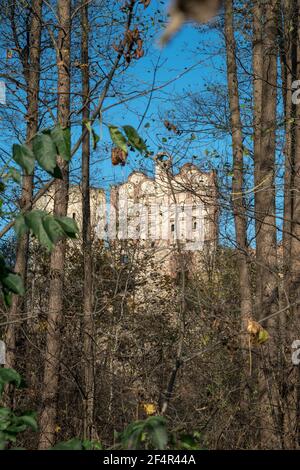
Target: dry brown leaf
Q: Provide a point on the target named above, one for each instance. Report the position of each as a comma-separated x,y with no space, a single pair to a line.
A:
118,156
253,327
257,333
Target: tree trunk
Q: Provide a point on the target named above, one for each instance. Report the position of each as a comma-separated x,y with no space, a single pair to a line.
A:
257,110
265,102
57,262
289,65
31,71
295,244
238,203
88,328
289,72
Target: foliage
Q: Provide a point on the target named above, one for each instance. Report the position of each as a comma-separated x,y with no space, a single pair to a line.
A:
150,433
131,139
12,423
11,283
77,444
134,139
44,149
48,229
95,137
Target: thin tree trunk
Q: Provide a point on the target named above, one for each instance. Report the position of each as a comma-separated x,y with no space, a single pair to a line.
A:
289,72
289,64
238,203
266,243
266,235
31,71
257,110
257,64
57,262
88,324
295,242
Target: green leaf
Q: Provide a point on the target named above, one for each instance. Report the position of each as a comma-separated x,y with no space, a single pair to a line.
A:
45,152
53,229
158,432
263,336
72,444
11,282
7,297
4,413
88,126
2,442
10,376
134,139
48,229
14,283
14,174
95,136
20,225
24,157
69,226
62,139
91,445
3,425
15,428
133,438
118,138
8,436
188,442
95,139
34,220
29,419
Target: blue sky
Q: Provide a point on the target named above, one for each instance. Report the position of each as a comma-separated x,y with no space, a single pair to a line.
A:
188,63
193,60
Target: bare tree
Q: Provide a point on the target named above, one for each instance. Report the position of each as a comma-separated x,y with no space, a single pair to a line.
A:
31,71
265,114
295,229
88,328
239,209
57,263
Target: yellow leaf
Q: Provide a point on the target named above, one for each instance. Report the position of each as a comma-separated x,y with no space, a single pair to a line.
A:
42,326
263,336
257,333
149,408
